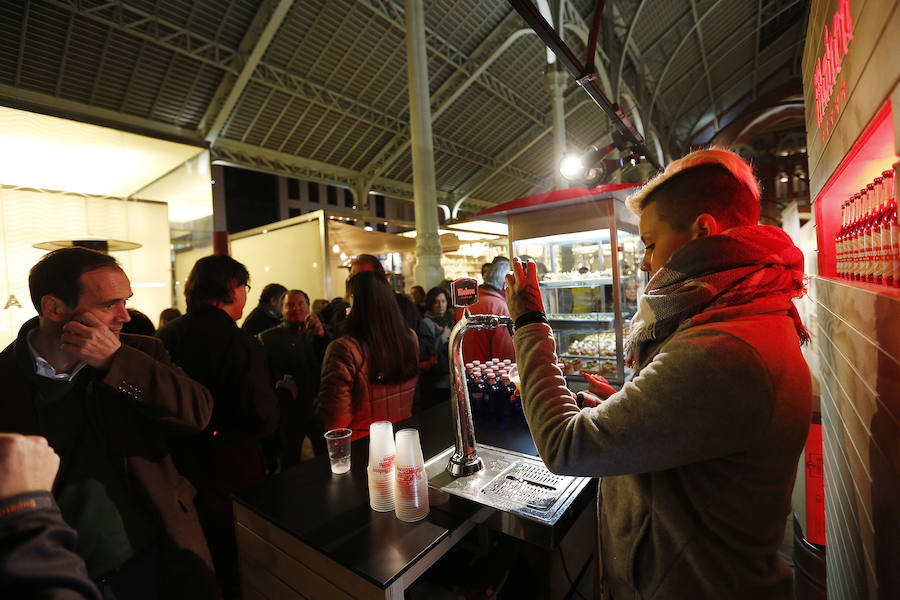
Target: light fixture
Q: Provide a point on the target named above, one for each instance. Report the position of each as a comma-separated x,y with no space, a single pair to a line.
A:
336,249
592,168
571,167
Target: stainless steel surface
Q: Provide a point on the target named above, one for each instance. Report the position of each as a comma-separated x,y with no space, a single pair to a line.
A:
517,484
465,460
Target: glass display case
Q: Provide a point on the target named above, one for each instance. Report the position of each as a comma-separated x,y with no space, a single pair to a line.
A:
589,309
588,254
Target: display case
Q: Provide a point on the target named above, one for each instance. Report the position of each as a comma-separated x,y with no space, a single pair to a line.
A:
588,251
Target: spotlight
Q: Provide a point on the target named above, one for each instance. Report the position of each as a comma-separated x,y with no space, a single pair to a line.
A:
572,167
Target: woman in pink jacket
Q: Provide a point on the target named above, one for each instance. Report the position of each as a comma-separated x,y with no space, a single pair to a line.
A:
369,373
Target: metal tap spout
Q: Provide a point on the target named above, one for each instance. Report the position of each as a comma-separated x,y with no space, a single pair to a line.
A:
465,459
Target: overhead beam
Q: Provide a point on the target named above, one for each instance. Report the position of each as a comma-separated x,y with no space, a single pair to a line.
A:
248,156
47,104
722,55
625,43
120,16
722,90
662,77
699,31
256,41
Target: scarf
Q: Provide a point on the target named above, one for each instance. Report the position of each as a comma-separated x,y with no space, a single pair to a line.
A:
750,269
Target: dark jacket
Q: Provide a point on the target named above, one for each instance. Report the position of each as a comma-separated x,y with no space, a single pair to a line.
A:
260,319
231,363
295,351
37,557
143,397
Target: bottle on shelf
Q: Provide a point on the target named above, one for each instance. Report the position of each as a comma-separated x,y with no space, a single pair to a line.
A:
852,238
839,250
476,394
877,241
868,233
889,192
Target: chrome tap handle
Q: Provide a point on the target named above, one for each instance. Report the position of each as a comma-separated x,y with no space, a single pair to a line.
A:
465,459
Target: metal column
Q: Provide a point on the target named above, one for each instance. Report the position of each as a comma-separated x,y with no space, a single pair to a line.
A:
428,271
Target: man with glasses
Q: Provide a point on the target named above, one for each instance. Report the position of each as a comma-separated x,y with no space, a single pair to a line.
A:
207,343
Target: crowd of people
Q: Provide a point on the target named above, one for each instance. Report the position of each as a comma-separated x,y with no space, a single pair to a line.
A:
153,429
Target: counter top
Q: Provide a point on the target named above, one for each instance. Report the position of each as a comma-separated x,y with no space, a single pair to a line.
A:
330,513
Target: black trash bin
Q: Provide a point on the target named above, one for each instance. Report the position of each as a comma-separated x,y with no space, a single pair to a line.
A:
809,567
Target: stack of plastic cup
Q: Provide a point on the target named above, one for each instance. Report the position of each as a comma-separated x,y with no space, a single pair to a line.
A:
381,466
411,484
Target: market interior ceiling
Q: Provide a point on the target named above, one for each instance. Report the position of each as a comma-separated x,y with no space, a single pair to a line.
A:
317,89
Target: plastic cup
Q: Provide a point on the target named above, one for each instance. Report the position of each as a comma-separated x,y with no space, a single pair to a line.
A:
411,483
382,454
338,442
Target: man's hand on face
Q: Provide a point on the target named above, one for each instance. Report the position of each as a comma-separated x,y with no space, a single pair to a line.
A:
315,325
88,339
523,295
27,464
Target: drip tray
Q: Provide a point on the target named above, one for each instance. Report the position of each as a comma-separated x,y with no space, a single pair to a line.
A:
532,500
531,485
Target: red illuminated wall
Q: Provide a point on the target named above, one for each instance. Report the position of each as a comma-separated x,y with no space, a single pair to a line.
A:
872,153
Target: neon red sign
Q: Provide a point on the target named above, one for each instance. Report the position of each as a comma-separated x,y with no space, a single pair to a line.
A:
828,66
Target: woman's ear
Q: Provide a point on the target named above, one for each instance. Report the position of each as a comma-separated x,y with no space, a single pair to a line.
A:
704,225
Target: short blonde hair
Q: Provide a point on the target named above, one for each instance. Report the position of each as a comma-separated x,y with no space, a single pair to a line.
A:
740,172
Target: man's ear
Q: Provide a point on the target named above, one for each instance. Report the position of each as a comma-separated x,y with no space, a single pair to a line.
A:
53,308
704,225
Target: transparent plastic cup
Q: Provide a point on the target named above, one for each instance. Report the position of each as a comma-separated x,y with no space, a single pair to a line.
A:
411,483
338,442
382,454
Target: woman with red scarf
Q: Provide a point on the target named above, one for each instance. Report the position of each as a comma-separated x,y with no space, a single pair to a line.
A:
698,452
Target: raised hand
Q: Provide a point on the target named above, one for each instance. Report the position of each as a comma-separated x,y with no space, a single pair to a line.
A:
315,325
88,339
523,295
27,464
598,385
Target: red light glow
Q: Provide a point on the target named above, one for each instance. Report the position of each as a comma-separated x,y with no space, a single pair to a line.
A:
872,153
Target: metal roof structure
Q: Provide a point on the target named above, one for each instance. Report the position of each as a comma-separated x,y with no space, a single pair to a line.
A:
317,89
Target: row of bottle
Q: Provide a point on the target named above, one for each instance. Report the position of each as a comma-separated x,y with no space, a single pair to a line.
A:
493,393
867,246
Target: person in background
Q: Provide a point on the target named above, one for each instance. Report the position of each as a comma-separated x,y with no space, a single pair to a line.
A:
227,457
370,372
267,313
140,324
698,452
37,548
414,320
486,344
630,300
319,304
485,269
295,350
107,402
435,384
417,294
168,314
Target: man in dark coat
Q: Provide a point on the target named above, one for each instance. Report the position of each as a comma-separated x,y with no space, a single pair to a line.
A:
267,313
207,343
295,350
106,403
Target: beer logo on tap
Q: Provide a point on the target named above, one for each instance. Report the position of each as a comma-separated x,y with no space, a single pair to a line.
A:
464,291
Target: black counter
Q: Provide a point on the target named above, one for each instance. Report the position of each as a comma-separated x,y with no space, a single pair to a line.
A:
331,512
